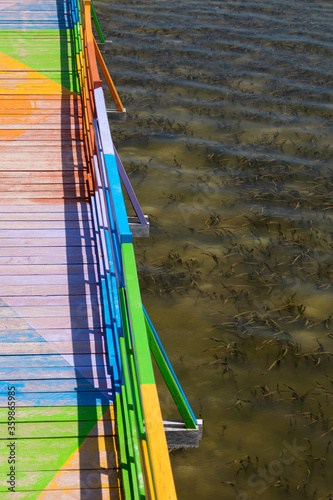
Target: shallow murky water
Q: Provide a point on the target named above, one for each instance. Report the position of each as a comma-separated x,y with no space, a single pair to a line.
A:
228,143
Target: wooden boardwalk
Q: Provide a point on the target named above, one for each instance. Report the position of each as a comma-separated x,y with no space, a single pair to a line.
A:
53,359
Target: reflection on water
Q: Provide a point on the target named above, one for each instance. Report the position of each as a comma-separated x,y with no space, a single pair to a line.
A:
228,143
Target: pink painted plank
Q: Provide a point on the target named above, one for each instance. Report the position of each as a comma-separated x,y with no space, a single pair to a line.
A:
48,290
24,187
37,198
49,232
46,242
83,270
51,217
66,209
64,252
16,225
37,166
49,311
69,334
58,177
9,153
54,260
49,279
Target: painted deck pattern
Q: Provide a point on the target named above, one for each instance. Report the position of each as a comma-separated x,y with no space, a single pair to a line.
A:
52,345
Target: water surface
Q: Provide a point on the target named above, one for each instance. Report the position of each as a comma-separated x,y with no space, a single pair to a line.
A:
228,143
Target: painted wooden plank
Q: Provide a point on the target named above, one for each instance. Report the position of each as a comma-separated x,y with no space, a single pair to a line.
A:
45,279
26,25
29,191
60,414
12,152
75,385
67,178
85,493
49,290
56,260
47,115
46,242
52,334
20,200
51,99
66,480
53,322
61,133
48,310
66,253
52,311
62,372
48,225
48,165
63,137
41,126
37,86
27,335
83,208
49,104
79,322
75,347
42,154
57,399
54,450
43,217
29,430
57,300
15,361
48,269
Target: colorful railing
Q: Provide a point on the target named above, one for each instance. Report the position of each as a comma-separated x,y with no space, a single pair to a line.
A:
145,462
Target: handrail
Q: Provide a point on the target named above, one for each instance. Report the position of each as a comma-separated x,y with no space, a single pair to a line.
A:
148,473
108,79
169,375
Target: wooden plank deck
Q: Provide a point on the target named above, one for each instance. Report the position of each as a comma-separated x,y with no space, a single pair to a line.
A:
53,357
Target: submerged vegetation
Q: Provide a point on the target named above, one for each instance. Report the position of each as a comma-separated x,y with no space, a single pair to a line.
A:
228,144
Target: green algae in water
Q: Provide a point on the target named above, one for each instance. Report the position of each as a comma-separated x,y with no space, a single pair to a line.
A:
228,143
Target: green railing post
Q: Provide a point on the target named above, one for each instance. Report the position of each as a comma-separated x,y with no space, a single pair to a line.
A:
170,378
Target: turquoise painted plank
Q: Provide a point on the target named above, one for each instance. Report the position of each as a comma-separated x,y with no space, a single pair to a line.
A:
22,336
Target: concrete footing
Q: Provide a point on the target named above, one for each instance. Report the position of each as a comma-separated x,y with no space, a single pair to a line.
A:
178,436
138,230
